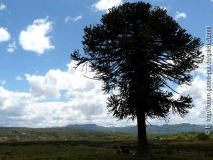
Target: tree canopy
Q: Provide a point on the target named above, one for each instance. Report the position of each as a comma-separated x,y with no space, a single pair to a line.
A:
136,49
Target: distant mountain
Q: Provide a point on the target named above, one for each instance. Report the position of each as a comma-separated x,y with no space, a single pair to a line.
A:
175,128
154,129
92,127
113,125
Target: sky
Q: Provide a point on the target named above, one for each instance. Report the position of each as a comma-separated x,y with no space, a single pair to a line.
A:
39,86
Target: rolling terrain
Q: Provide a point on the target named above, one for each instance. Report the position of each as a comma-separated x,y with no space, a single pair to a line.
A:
154,129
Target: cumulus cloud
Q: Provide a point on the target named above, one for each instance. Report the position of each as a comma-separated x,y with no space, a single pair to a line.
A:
50,85
11,50
12,47
19,78
104,5
180,15
85,97
86,102
35,38
74,19
4,35
44,87
3,82
2,6
198,92
166,8
12,106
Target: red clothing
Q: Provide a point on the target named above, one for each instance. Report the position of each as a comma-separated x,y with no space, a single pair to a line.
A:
118,151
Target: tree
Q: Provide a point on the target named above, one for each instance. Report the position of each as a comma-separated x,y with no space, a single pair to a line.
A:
137,49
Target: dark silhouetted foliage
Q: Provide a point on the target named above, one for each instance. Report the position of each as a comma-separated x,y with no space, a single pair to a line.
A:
202,136
136,49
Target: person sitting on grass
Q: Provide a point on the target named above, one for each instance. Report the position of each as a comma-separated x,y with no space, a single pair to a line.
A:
122,150
127,151
118,151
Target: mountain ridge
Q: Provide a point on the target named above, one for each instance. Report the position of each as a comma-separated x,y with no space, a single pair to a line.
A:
154,129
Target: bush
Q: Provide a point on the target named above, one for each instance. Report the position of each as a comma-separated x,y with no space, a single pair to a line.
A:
153,136
191,136
157,136
180,136
202,136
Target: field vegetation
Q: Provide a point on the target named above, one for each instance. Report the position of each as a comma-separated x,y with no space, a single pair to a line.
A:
79,144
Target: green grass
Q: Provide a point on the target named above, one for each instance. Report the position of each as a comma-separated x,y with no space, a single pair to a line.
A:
63,150
104,150
50,144
58,134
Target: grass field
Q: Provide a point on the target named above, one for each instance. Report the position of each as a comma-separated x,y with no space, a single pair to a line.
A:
50,144
58,134
104,150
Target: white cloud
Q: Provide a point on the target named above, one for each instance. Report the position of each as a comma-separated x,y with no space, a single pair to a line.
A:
2,6
67,19
85,101
22,109
44,87
4,35
166,8
12,105
11,50
12,47
180,15
104,5
35,38
19,78
3,82
198,92
77,18
50,85
74,19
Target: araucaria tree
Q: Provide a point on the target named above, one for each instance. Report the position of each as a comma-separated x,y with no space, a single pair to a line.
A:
137,49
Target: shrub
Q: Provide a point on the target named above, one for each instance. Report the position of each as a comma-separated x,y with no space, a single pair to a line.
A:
191,136
153,136
180,136
202,136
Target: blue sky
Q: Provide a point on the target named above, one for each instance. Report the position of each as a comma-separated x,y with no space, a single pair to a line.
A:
38,85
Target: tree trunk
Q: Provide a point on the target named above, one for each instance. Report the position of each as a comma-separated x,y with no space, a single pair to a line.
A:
143,149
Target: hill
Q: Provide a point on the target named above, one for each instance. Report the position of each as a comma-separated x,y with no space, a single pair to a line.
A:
154,129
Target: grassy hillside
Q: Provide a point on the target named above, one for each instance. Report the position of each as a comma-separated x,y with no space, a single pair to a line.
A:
14,134
104,150
154,129
51,144
57,134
